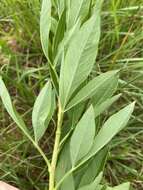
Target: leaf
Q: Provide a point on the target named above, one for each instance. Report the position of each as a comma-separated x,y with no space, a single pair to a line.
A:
111,127
46,22
95,166
83,136
43,111
63,166
54,24
75,114
45,25
99,109
77,9
94,184
59,32
10,108
68,183
92,88
68,36
80,58
60,6
106,92
54,77
124,186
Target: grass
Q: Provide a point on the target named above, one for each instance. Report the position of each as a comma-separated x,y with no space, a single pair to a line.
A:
24,68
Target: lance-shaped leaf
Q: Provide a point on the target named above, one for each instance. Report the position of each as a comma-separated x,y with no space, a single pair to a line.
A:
124,186
111,127
60,30
83,136
64,44
109,89
43,111
10,108
77,9
79,58
96,85
45,25
63,166
94,184
99,109
95,166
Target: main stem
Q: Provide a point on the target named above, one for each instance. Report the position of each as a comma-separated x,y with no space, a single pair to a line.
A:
56,149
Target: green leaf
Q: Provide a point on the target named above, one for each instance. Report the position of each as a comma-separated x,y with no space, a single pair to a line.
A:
76,113
79,58
124,186
99,109
60,30
68,36
63,166
60,6
43,111
17,119
111,127
92,88
46,22
106,92
54,77
10,108
95,166
94,184
83,136
68,183
45,25
77,9
54,24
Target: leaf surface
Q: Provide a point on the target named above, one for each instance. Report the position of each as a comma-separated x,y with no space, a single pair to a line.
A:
124,186
45,25
83,136
92,88
95,166
43,111
63,166
111,127
79,58
77,9
94,184
10,108
99,109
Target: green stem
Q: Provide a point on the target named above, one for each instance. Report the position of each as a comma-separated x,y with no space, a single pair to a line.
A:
56,149
39,150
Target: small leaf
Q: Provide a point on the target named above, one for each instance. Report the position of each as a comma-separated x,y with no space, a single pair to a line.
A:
54,24
94,86
46,22
68,36
99,109
111,127
109,89
95,166
45,25
59,32
43,110
83,136
75,114
94,184
79,58
63,166
10,108
124,186
77,9
54,77
60,6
